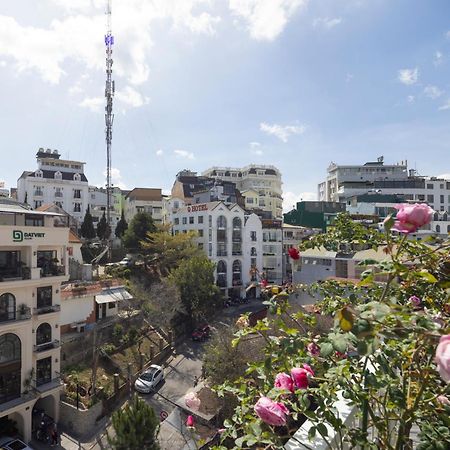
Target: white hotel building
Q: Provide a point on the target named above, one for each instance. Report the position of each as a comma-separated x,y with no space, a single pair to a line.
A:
230,237
33,264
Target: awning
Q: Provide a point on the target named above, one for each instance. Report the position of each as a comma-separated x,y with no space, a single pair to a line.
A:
113,294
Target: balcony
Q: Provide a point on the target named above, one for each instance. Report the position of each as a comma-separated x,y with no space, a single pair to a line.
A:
15,273
38,193
45,385
53,271
47,309
22,399
22,313
58,194
46,346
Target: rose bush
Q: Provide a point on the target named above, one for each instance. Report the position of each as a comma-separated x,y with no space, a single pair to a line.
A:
388,352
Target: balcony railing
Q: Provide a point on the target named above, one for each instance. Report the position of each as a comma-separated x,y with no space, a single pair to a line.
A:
46,346
23,398
46,309
16,273
58,194
53,271
38,193
23,313
44,385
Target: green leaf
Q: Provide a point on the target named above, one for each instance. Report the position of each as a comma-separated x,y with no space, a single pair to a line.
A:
366,281
389,223
322,429
427,276
326,349
340,343
311,433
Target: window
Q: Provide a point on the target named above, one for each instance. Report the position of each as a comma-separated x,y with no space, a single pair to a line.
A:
34,221
77,193
10,367
200,233
44,296
342,268
77,207
111,305
441,186
200,219
430,198
210,221
58,175
249,200
191,220
7,307
38,191
176,205
58,192
442,199
253,251
200,245
176,221
210,249
438,228
421,197
237,269
43,334
253,236
43,371
222,274
184,220
221,223
77,177
430,186
38,174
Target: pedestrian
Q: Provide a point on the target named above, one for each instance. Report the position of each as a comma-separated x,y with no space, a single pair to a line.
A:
54,435
195,380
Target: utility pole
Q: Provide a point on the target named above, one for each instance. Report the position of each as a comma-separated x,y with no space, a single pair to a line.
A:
109,118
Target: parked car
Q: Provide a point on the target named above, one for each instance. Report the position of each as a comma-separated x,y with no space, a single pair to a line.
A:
9,443
95,245
149,379
126,262
201,333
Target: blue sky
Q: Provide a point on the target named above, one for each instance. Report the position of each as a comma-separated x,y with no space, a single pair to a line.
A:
293,83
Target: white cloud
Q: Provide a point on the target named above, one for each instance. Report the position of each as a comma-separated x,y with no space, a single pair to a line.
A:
131,97
95,104
159,152
408,76
410,98
349,77
438,56
432,92
265,19
282,132
116,178
290,199
3,63
184,154
445,106
255,144
77,36
327,22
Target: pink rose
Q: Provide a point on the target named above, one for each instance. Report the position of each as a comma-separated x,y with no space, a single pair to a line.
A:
300,377
308,368
284,381
414,300
443,400
190,422
273,413
442,357
313,349
411,217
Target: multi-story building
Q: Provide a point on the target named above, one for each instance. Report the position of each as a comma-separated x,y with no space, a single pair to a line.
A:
57,181
313,214
98,205
265,180
272,248
33,264
230,237
147,200
340,178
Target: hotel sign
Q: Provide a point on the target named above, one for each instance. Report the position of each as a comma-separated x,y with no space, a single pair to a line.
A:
20,236
196,208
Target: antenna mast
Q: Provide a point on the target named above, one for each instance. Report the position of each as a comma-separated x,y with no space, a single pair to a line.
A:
109,117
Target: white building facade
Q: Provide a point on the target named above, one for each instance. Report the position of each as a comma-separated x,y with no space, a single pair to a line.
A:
148,200
57,181
33,264
229,237
263,179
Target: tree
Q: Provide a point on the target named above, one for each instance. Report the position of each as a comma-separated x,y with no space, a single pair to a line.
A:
135,426
121,226
103,229
87,227
165,251
194,278
141,224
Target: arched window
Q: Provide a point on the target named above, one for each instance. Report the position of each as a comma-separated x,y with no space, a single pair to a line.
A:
7,307
237,237
58,175
237,223
436,216
438,229
445,217
221,236
222,274
43,334
10,367
77,177
237,273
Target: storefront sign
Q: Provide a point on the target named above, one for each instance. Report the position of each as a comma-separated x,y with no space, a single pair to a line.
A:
19,236
196,208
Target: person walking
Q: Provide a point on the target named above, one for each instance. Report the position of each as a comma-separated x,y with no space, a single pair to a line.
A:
54,435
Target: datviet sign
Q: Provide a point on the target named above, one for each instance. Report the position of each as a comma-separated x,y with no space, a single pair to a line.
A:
19,235
196,208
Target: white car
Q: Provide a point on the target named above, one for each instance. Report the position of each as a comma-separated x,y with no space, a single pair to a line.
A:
149,379
126,262
9,443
